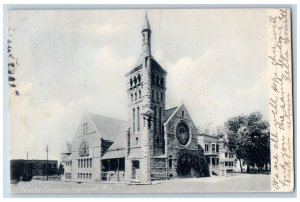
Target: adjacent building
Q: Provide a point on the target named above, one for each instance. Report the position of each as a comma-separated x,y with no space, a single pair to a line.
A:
22,169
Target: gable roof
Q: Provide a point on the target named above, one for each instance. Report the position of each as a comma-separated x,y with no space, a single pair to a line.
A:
169,112
108,128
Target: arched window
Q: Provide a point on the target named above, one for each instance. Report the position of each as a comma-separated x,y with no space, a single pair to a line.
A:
131,82
139,78
84,149
134,80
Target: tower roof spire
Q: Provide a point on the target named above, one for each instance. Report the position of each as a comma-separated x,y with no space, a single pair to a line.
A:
146,23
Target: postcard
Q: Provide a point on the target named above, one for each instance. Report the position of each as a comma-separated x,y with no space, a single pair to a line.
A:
150,100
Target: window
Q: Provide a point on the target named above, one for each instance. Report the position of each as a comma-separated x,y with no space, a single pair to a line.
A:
87,163
213,148
182,114
131,82
162,82
159,121
131,97
78,163
133,119
134,80
84,149
153,94
138,119
136,140
139,78
206,147
154,120
230,155
91,163
162,97
135,96
140,94
170,162
84,128
226,155
78,175
146,61
84,163
218,147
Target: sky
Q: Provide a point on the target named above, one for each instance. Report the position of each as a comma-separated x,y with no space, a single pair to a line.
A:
72,61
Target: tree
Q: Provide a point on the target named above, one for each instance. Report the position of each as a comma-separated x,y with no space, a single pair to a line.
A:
235,137
259,151
248,138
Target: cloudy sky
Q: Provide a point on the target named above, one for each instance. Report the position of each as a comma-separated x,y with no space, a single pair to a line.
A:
72,61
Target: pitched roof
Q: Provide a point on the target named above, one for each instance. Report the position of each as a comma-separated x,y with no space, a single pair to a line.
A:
154,65
108,128
117,149
169,112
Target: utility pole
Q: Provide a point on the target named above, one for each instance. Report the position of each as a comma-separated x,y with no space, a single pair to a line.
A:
47,149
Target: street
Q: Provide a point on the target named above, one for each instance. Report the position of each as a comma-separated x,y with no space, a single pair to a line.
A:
236,183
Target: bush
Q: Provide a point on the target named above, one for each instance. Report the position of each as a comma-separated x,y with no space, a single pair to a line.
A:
195,160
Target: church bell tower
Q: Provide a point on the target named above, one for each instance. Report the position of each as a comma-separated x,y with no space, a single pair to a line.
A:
146,109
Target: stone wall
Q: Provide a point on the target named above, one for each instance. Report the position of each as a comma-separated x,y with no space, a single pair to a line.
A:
92,137
173,145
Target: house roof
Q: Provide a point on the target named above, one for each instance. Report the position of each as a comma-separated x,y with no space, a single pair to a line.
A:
108,128
169,112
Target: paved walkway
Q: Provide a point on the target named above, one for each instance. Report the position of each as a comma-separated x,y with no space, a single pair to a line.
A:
238,183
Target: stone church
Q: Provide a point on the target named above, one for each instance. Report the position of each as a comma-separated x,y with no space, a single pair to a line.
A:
144,148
